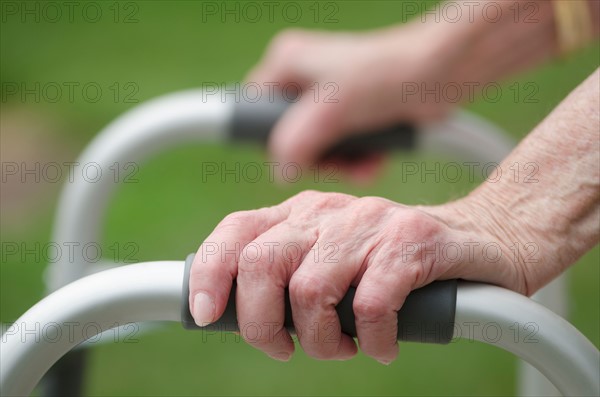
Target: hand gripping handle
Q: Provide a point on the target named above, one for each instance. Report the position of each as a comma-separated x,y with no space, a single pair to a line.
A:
427,315
253,121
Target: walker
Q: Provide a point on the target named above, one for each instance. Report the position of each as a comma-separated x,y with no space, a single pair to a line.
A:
106,294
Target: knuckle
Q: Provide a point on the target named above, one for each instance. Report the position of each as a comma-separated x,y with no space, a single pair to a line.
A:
372,202
255,263
331,200
416,274
287,38
415,225
371,207
371,309
245,266
306,291
410,219
237,219
322,200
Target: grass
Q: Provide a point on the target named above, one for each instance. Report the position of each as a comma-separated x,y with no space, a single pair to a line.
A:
169,211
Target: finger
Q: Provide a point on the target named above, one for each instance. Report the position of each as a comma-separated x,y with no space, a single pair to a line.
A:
312,124
306,130
316,288
279,63
265,267
380,294
216,262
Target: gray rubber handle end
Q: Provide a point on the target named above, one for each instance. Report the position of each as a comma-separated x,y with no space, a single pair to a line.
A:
253,122
427,316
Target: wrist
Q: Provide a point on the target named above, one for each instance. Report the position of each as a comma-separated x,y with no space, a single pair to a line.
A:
527,226
506,253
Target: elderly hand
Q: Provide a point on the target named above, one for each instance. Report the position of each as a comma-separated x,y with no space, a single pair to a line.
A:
410,73
352,82
320,244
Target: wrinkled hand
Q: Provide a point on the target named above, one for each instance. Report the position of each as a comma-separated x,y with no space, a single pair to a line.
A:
351,83
320,244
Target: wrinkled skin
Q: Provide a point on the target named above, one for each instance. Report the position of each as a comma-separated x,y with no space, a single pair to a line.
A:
319,244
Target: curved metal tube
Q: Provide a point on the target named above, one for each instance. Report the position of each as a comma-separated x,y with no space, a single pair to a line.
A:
152,291
149,128
466,137
81,310
532,332
190,116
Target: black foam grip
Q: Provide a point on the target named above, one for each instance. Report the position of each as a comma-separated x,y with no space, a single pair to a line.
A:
253,121
427,315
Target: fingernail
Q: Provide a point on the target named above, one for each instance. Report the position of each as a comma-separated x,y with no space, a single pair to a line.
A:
281,356
204,309
385,362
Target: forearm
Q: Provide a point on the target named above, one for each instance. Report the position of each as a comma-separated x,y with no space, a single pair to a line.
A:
547,192
492,40
524,36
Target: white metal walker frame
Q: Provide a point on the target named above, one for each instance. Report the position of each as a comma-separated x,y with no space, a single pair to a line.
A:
82,293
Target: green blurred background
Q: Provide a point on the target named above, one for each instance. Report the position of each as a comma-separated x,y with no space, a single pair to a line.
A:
167,46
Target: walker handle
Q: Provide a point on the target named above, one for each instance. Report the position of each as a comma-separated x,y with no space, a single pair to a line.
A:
253,121
427,315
